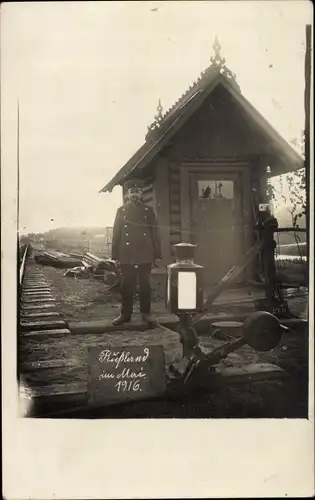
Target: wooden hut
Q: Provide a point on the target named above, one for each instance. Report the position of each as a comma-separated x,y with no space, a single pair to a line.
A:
202,160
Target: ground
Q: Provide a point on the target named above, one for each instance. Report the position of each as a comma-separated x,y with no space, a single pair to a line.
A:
88,299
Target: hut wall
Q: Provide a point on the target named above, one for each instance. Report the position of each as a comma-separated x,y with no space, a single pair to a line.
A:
174,204
219,131
149,195
162,206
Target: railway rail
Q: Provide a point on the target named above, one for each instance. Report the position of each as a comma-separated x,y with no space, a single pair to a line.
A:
38,310
39,317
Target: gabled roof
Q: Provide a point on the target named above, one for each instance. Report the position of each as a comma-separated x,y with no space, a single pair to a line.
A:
165,126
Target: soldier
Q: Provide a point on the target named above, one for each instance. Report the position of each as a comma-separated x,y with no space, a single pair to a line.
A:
136,246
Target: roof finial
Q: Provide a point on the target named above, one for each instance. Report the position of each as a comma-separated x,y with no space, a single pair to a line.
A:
159,115
217,60
157,118
216,47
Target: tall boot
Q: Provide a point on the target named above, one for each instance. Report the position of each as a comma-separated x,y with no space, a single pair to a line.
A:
121,319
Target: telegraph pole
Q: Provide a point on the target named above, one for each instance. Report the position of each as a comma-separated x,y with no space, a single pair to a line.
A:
18,169
307,98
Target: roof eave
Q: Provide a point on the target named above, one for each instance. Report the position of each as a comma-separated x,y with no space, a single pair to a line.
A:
292,156
161,140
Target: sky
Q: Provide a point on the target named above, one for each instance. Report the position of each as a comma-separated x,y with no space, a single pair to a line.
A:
88,77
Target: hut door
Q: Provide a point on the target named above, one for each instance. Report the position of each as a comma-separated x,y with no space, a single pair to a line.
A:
216,222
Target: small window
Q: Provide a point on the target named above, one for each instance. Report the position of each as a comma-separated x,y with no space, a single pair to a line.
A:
215,189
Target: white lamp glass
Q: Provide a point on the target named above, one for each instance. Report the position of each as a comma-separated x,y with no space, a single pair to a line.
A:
187,290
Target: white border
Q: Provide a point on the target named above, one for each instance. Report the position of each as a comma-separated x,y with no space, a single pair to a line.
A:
45,459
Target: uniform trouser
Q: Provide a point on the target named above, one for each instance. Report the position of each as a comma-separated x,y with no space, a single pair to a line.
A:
130,274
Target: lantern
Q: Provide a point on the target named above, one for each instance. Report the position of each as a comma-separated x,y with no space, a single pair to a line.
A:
184,282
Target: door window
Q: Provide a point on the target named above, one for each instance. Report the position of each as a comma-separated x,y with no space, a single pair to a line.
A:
215,189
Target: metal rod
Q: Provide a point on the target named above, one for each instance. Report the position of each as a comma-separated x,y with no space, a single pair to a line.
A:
289,230
221,352
22,265
18,166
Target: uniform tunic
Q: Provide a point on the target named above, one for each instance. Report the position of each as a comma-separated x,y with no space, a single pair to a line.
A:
135,235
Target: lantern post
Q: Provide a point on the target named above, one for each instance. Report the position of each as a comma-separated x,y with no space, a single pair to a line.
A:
184,295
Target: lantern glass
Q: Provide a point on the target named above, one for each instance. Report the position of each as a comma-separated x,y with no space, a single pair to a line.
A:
187,290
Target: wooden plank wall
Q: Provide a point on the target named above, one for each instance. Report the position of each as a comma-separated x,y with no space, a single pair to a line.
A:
161,188
175,212
148,194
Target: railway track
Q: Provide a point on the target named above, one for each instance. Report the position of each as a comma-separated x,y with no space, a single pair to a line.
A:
39,322
38,311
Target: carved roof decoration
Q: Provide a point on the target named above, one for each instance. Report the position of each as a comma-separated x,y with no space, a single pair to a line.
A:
165,126
157,119
217,66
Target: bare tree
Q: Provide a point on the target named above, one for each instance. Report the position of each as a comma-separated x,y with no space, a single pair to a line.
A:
295,201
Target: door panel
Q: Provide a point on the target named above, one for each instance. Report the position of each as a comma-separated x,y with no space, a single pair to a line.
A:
216,221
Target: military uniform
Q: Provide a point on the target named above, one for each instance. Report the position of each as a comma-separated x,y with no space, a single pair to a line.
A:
136,245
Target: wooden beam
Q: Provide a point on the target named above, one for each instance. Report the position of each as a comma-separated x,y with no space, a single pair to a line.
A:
185,205
161,186
231,276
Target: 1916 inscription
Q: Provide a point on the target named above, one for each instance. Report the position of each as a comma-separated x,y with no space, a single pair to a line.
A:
125,372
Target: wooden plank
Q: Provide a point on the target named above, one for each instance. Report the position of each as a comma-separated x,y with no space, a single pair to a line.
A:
175,199
35,280
36,306
147,190
92,257
163,208
175,209
35,276
185,205
174,178
59,332
51,314
175,204
33,284
41,324
35,300
175,218
175,235
148,200
147,194
257,371
58,393
175,188
36,288
47,364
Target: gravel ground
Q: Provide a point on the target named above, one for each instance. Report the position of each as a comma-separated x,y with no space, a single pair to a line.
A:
85,299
